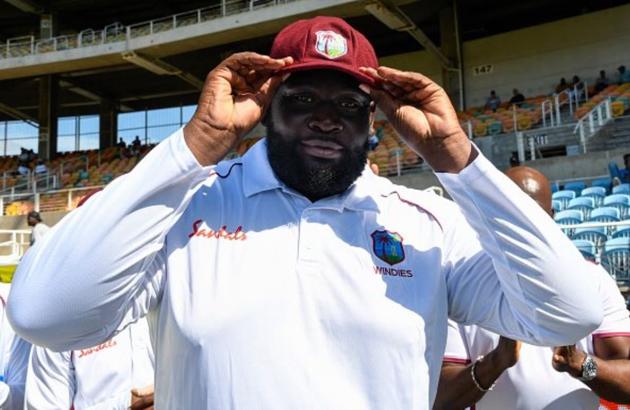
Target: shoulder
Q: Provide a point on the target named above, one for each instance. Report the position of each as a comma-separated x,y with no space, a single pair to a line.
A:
442,210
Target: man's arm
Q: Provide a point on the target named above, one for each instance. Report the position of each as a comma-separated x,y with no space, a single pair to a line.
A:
515,272
15,376
611,348
457,389
102,266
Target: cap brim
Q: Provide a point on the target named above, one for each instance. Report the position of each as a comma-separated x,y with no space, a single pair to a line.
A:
328,65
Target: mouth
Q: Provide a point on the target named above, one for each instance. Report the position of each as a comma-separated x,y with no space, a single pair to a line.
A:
322,148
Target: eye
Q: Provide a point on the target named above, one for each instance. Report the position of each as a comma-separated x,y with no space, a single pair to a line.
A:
303,98
349,104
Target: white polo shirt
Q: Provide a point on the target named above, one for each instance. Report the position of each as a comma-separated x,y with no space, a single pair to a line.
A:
532,383
96,378
258,298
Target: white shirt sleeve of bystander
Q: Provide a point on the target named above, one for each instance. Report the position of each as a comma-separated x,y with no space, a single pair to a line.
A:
616,317
102,266
509,268
456,351
50,383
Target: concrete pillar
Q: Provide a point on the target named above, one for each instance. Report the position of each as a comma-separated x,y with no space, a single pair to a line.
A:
108,124
47,26
48,104
450,44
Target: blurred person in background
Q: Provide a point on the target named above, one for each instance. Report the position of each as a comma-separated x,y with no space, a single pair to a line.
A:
602,82
34,220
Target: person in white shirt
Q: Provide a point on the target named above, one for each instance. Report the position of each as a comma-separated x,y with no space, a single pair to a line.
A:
294,277
527,377
14,352
100,377
40,229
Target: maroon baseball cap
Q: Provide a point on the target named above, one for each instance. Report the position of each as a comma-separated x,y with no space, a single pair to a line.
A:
325,43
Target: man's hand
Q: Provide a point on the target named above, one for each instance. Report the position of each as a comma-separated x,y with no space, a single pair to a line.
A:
233,100
423,115
568,359
507,352
142,398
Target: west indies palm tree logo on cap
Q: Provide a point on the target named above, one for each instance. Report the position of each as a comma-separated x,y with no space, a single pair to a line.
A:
388,246
330,44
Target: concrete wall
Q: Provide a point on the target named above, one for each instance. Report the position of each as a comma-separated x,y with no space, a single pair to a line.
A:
535,58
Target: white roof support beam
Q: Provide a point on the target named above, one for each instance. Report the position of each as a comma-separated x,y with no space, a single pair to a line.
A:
159,67
27,6
393,17
17,114
89,94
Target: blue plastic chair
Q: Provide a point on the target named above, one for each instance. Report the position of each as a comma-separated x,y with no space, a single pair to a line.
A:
597,235
616,258
605,183
621,189
586,248
564,197
596,192
556,205
622,232
605,214
569,217
619,201
584,204
575,186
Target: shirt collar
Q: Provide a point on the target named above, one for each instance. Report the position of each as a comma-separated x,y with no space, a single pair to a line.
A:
258,176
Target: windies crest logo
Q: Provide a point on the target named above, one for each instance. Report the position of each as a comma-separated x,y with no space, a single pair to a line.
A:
388,246
331,44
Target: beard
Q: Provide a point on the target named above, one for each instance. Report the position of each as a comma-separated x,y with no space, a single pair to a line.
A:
317,178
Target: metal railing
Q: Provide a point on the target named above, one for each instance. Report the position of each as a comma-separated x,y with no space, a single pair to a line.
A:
13,244
117,32
48,201
596,118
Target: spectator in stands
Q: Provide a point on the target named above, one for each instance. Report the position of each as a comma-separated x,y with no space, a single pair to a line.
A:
135,146
493,102
577,88
517,97
509,374
40,229
624,75
122,143
563,85
602,82
23,162
40,167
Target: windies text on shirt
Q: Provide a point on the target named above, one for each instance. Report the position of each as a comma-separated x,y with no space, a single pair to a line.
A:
223,233
403,273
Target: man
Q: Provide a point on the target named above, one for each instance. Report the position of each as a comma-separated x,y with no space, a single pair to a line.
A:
624,75
517,97
602,82
533,377
294,277
13,360
106,376
34,220
493,101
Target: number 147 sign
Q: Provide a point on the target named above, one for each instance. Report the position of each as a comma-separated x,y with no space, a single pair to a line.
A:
483,69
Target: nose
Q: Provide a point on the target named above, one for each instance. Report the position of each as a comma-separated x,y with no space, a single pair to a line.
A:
325,120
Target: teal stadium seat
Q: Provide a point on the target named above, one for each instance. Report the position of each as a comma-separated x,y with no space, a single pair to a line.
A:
619,201
596,192
605,183
576,186
584,204
621,189
616,258
564,197
597,235
586,248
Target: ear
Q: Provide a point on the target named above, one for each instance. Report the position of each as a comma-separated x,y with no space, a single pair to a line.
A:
372,117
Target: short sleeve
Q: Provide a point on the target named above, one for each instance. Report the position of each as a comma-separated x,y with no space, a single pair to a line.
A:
616,318
455,351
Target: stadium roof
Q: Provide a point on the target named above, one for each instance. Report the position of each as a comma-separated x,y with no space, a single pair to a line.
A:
135,88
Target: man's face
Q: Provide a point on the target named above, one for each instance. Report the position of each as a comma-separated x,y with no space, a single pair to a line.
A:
318,126
32,221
